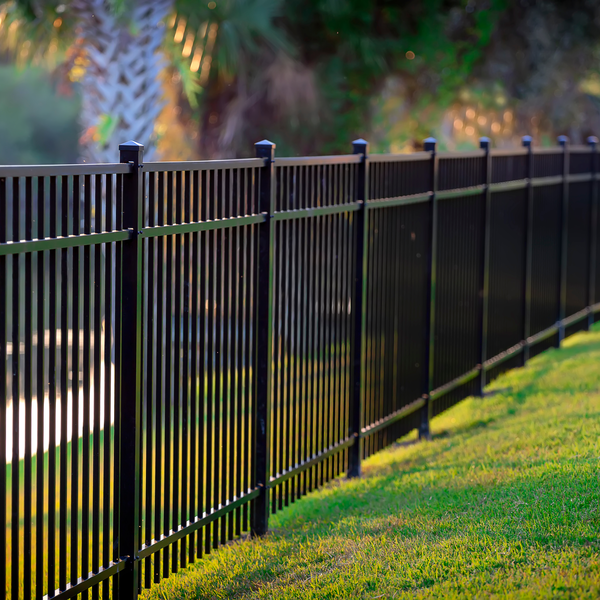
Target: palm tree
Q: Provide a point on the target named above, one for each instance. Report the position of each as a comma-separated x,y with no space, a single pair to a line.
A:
117,50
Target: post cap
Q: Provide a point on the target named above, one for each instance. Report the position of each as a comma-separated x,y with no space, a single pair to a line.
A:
131,145
265,149
360,146
429,144
592,140
562,140
484,142
526,141
265,143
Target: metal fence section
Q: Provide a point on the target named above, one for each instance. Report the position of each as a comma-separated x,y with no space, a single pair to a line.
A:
187,348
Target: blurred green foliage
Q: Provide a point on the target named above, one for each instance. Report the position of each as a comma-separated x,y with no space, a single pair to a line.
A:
37,125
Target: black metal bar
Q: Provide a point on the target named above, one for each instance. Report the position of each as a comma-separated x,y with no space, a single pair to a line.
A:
177,383
74,537
264,335
16,394
3,391
97,361
424,432
108,385
64,365
41,392
168,396
593,142
158,367
27,394
131,383
360,148
526,141
484,144
563,141
87,361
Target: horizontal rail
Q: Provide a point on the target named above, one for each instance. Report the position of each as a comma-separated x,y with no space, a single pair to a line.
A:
473,190
317,458
542,181
458,154
303,213
174,536
311,161
414,157
503,356
452,385
509,186
542,335
202,165
399,201
580,178
69,241
576,317
64,170
392,418
73,590
228,223
550,150
510,152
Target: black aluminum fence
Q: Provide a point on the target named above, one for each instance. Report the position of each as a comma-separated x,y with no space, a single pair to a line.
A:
187,348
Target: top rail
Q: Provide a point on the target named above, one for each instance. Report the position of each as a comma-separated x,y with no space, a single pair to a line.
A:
202,165
64,170
415,156
459,154
307,161
509,152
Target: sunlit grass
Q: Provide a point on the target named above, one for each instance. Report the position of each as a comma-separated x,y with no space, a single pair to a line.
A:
504,502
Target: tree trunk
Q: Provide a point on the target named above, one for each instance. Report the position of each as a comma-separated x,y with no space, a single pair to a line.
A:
121,90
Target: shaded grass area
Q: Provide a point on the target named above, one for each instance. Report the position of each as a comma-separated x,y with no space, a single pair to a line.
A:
504,502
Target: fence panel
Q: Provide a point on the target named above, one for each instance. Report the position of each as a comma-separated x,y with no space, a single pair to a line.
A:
313,274
546,259
508,239
197,483
186,348
60,319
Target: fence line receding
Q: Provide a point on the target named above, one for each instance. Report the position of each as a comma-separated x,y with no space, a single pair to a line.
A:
187,348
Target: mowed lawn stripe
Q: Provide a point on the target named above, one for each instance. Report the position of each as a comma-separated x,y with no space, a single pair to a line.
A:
504,502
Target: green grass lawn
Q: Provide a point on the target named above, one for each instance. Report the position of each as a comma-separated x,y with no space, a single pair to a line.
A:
504,502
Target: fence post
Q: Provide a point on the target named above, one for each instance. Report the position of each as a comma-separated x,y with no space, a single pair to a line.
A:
563,141
264,337
359,308
424,432
484,144
526,142
593,142
131,372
